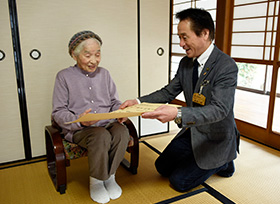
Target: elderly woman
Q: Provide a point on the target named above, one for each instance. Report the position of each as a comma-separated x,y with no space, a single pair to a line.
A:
84,88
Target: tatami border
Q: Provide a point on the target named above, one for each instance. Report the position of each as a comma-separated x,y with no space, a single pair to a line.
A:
223,199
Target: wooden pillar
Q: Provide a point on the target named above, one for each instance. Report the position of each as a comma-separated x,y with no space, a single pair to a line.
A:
224,21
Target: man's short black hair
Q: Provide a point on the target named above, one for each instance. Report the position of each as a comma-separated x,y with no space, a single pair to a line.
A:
200,19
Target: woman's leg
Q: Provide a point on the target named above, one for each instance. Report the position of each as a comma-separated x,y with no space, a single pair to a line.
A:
97,140
119,141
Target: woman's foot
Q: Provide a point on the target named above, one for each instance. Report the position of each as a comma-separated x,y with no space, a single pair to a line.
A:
98,192
113,189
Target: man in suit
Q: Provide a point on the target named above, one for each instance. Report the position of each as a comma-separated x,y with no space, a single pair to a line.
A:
209,140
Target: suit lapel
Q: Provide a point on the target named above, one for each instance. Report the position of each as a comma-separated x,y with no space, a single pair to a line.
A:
207,68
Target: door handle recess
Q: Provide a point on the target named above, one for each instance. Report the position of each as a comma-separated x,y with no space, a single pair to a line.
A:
35,54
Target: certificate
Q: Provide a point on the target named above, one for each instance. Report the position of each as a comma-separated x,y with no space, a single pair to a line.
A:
130,111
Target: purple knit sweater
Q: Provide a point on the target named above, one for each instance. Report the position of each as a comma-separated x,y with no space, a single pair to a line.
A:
76,90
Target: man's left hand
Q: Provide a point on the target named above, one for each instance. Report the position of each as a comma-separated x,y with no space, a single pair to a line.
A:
163,113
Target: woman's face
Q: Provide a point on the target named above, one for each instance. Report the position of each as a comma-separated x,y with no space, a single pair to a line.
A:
90,56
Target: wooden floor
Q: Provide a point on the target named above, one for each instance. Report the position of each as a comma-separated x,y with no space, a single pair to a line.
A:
253,108
256,180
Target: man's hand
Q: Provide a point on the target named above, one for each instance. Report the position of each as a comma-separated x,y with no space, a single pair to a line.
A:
163,113
128,103
89,123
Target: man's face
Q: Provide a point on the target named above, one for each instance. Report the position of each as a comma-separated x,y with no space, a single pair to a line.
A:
189,41
90,56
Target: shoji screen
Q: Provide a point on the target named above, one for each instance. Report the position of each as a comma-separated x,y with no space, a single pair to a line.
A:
11,145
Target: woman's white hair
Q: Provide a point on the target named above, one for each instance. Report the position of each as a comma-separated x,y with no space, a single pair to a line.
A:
81,46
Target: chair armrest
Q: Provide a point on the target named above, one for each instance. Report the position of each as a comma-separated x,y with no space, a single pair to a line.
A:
56,161
56,140
132,131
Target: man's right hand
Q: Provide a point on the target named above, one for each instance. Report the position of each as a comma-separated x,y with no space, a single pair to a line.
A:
128,103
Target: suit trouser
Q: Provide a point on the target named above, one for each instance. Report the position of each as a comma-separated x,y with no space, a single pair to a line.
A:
177,162
106,148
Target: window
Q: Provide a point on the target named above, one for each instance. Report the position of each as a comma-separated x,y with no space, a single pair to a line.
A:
253,46
254,29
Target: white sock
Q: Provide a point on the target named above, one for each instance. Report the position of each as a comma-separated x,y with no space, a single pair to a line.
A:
114,190
98,192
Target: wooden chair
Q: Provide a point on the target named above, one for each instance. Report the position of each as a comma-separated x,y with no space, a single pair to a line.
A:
60,152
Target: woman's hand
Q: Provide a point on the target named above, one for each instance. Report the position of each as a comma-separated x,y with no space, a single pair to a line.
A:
122,120
87,123
128,103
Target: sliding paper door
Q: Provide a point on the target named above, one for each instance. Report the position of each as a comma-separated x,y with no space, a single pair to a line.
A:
11,145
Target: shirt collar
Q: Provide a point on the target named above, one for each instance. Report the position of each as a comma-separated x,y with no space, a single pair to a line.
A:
205,55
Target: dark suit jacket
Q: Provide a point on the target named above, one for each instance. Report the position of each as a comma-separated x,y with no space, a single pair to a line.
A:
214,135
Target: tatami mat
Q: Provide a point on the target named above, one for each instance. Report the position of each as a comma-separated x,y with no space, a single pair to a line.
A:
257,176
31,183
256,180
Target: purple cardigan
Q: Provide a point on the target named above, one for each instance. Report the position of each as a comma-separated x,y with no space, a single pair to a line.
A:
76,90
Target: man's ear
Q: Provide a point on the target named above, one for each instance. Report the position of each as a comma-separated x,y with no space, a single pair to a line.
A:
205,34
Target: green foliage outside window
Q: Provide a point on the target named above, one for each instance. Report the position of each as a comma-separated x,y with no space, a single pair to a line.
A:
246,74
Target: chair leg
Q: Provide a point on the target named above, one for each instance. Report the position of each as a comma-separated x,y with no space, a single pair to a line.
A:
132,166
61,189
55,159
134,158
133,150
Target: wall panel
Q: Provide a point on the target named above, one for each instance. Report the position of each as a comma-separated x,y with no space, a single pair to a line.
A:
11,145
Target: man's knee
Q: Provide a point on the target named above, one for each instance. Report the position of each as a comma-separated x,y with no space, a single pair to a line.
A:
160,167
180,184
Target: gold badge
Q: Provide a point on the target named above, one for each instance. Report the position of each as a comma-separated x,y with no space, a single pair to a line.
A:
199,98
